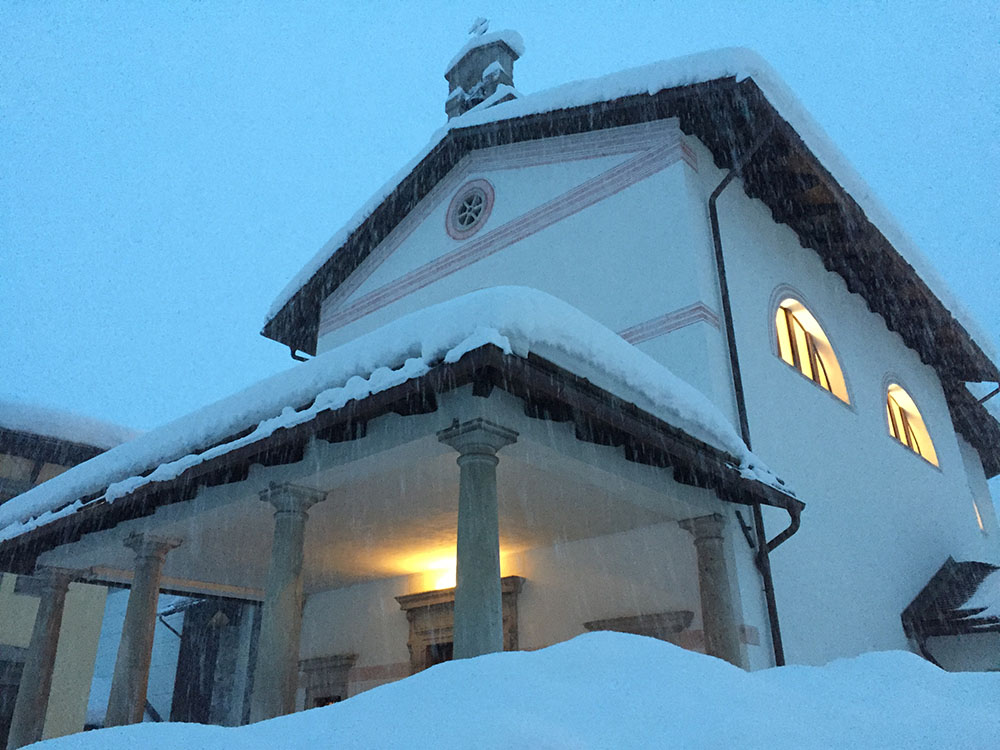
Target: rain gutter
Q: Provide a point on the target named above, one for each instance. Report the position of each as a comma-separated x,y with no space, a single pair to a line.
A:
764,547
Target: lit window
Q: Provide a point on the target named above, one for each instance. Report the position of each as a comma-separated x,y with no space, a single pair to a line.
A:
906,424
803,345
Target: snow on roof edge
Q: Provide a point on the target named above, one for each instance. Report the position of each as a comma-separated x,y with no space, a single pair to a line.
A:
986,597
63,425
738,62
516,319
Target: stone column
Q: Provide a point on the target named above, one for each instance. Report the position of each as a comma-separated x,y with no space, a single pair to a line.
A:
276,673
478,625
722,638
36,678
127,702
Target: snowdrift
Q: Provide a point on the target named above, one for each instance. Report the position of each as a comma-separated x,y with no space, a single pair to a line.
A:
610,690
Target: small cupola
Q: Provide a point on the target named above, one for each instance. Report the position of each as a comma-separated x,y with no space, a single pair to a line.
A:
483,69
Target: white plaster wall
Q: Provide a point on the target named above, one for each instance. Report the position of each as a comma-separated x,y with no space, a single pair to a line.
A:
645,570
631,257
364,619
879,520
621,238
641,571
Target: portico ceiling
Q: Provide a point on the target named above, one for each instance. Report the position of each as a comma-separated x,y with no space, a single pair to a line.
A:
393,512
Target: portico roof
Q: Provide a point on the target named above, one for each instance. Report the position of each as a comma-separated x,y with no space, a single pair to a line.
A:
564,366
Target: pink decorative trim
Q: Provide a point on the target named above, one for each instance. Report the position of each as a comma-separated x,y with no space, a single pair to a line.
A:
594,145
669,322
594,190
489,195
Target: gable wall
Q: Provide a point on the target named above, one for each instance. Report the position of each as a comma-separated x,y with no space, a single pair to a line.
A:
879,520
603,220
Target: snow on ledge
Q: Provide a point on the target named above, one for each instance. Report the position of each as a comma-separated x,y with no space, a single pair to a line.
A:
516,319
986,597
737,62
508,36
62,425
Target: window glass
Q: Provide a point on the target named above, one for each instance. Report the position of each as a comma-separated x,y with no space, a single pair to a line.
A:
803,345
906,424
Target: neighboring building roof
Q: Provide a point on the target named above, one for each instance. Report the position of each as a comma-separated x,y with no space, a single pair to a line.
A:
524,324
62,425
729,99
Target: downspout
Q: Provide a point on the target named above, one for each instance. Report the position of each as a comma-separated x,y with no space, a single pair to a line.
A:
764,547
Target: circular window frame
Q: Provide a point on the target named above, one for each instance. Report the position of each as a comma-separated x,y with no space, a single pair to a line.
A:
451,221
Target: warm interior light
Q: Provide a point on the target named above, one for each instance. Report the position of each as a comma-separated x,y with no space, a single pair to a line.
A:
979,517
803,344
436,569
431,570
906,424
443,573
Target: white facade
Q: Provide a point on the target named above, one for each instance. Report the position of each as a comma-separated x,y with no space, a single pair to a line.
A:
636,254
615,493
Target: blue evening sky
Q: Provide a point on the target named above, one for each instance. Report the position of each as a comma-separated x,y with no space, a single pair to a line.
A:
166,167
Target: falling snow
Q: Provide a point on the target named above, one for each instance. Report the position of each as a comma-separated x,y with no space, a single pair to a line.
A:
517,319
735,62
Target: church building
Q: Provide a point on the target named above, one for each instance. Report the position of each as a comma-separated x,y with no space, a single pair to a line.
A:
639,353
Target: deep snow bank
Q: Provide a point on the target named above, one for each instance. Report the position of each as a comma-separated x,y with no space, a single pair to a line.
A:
609,690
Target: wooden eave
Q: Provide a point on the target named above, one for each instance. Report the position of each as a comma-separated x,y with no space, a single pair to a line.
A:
729,118
547,391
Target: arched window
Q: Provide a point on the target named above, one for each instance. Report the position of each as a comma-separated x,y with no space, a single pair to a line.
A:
803,345
906,424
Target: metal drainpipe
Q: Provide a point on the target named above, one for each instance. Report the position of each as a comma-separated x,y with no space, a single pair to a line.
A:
763,560
988,396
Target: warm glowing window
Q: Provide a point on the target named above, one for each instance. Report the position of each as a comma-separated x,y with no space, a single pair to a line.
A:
803,345
906,424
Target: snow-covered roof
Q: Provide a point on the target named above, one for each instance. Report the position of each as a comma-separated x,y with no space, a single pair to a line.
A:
508,36
516,319
738,63
985,600
62,425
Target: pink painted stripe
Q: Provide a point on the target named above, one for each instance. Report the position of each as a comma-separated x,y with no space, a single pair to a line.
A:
604,185
556,150
671,321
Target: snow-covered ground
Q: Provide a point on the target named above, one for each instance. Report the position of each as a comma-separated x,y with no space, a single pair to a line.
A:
610,690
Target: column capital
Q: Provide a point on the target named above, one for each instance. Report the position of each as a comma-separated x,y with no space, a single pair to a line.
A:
151,545
704,527
477,436
291,498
